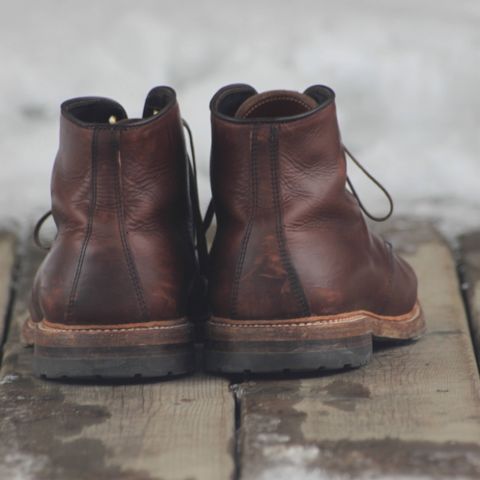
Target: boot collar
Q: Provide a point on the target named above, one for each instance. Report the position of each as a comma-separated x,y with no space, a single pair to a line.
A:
105,113
227,103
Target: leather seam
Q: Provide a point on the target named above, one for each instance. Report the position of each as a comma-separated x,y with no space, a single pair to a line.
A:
273,121
313,324
131,267
292,276
89,230
361,315
272,99
292,325
249,228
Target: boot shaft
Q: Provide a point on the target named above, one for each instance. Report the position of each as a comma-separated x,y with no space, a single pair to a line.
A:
124,251
291,241
301,154
135,168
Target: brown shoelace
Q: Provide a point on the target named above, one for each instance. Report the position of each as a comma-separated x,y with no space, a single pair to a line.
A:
211,209
376,182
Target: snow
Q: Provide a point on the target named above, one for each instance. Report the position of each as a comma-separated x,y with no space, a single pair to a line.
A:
406,75
9,378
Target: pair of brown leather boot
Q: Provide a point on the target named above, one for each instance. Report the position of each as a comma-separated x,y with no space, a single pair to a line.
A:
296,282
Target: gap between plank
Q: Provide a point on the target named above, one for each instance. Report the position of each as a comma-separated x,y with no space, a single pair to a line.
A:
465,284
12,293
235,388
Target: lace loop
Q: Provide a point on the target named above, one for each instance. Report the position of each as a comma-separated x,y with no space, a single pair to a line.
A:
36,231
376,182
211,208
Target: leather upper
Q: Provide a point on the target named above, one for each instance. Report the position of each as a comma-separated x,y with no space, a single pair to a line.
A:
291,240
124,250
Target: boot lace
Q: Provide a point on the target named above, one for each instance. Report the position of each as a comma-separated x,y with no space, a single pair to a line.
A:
376,182
211,208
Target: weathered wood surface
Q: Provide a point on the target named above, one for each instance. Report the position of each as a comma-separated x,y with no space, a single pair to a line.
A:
7,263
180,429
414,412
470,270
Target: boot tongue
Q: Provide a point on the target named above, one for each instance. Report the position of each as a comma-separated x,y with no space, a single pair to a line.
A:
276,103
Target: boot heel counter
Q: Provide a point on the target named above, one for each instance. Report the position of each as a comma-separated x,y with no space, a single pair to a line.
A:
106,292
259,281
263,282
267,286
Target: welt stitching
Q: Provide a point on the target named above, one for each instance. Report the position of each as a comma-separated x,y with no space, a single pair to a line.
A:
292,276
273,99
248,230
132,270
88,233
108,330
414,314
316,323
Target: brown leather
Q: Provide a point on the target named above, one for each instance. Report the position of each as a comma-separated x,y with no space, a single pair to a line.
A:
291,241
124,250
275,104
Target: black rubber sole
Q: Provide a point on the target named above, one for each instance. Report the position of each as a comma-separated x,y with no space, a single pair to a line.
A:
114,366
289,360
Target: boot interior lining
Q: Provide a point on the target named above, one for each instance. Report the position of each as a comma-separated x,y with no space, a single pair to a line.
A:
97,111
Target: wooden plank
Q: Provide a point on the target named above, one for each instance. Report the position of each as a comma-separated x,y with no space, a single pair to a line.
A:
7,263
470,271
414,412
179,429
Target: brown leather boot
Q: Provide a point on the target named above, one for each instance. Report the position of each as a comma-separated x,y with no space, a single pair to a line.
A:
114,295
297,282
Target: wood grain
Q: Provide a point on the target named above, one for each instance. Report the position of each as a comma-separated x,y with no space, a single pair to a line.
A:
180,429
413,412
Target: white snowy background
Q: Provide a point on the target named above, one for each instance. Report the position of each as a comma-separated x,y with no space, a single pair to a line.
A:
406,74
